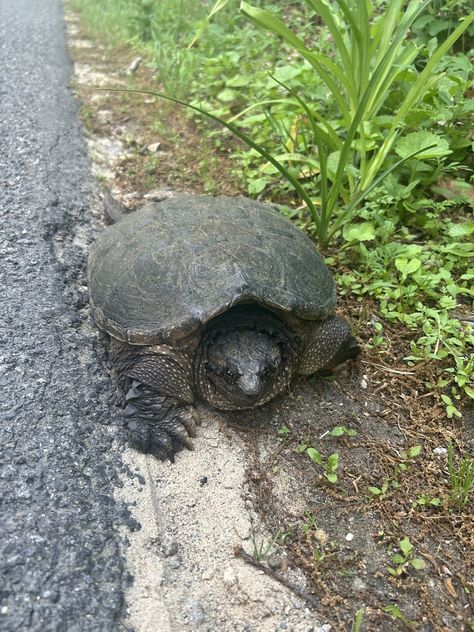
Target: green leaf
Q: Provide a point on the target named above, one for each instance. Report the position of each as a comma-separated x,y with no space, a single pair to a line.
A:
285,73
256,185
337,431
358,232
459,249
314,455
406,546
375,491
227,95
332,478
239,81
418,141
407,266
417,563
414,451
333,461
457,231
469,391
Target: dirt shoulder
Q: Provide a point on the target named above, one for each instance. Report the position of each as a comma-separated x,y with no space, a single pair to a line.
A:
324,548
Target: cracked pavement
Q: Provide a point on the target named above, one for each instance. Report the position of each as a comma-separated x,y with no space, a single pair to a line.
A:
61,566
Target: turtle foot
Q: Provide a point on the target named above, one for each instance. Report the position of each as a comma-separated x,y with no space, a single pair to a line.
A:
158,425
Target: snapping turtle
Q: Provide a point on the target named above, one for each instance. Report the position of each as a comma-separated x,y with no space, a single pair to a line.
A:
214,299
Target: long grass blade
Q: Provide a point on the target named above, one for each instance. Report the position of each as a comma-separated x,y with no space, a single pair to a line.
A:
415,93
320,144
243,137
324,11
361,197
268,21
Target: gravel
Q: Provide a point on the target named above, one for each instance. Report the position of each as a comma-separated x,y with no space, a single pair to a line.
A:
60,553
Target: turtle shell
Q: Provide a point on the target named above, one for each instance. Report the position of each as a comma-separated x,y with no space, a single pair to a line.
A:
162,272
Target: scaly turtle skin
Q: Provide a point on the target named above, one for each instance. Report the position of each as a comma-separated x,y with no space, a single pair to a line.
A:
214,299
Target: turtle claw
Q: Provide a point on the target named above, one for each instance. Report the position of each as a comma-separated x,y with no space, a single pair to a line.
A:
131,394
157,425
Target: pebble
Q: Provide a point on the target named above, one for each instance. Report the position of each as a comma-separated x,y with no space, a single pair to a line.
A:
349,537
364,382
194,612
229,577
274,561
169,546
440,451
132,69
157,195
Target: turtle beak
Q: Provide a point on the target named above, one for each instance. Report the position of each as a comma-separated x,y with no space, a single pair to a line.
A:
250,385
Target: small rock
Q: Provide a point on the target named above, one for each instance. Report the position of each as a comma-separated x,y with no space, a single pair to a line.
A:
274,561
440,451
175,563
229,577
157,195
134,65
203,480
194,611
364,382
154,147
207,575
349,537
358,584
169,546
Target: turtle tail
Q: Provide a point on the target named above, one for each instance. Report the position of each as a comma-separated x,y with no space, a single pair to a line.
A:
113,209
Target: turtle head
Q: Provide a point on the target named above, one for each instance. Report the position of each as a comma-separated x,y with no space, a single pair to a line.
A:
243,366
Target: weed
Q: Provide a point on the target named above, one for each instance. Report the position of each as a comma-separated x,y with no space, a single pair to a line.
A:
396,613
339,431
262,549
330,465
311,523
426,501
359,616
406,459
461,478
404,559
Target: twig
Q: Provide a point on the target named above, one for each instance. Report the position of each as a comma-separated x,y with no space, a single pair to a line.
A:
239,552
386,368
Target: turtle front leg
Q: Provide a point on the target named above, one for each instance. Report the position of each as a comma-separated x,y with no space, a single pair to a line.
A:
157,425
157,384
327,344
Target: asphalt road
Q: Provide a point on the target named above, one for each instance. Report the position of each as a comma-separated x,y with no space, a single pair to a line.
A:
60,562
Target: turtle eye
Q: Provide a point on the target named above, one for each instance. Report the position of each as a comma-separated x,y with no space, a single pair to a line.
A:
229,375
